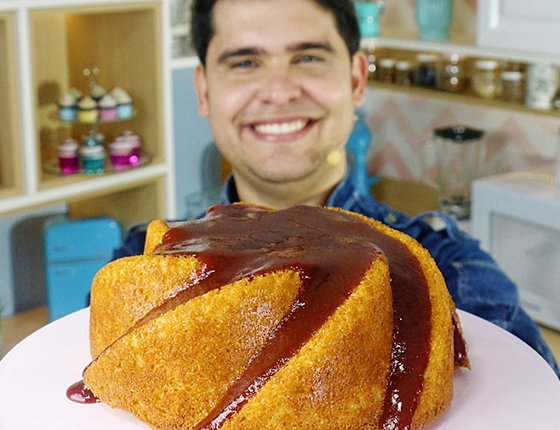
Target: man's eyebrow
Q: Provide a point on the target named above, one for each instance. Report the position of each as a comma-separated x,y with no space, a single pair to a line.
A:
239,52
250,50
303,46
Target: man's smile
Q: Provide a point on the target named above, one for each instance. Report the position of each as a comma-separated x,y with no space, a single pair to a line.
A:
278,128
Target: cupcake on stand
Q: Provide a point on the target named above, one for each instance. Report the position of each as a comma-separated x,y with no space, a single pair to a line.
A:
124,103
87,111
67,108
108,108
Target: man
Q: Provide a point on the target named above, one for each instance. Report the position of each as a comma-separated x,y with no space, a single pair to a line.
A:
280,81
280,88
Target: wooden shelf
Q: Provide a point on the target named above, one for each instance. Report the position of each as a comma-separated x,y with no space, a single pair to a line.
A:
459,43
462,98
10,152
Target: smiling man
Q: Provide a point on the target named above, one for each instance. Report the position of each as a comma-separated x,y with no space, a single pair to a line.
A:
280,81
280,86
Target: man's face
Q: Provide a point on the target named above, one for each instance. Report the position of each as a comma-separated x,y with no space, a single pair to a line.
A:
279,87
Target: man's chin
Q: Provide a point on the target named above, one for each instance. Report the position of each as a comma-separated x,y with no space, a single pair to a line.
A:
280,177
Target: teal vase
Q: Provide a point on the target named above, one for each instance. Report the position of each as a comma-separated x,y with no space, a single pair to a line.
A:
434,18
368,17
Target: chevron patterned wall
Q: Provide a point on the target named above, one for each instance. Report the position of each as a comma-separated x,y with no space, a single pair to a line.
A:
402,123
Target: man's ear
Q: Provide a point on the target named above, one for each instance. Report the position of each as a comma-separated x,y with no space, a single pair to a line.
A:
201,87
360,71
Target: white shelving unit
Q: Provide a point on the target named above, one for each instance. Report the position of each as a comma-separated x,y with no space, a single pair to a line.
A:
44,46
459,43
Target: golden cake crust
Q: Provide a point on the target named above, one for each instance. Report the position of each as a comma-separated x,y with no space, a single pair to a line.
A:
175,368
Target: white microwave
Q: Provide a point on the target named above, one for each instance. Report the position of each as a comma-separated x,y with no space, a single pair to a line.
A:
516,217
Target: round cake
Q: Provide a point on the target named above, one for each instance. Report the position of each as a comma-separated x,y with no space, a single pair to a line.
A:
252,318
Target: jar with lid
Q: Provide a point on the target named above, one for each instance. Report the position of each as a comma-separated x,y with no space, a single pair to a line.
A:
68,158
425,74
513,86
386,70
486,79
542,84
403,73
92,159
452,77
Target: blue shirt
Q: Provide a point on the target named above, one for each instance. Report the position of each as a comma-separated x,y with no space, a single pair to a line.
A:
473,278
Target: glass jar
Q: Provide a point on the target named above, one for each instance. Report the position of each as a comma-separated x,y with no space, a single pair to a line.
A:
556,106
68,158
513,86
486,79
93,158
425,74
452,77
542,84
403,73
372,65
386,70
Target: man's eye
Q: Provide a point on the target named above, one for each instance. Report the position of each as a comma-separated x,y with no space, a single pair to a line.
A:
309,59
243,64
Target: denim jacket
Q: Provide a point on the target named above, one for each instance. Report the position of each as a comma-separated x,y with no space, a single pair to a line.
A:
473,278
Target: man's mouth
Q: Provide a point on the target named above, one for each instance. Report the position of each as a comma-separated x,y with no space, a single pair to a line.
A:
281,128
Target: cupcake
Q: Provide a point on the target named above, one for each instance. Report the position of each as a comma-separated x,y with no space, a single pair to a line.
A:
97,92
87,110
68,158
107,108
124,103
67,108
76,93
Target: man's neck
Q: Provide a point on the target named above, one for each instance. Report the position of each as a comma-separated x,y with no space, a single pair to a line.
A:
314,190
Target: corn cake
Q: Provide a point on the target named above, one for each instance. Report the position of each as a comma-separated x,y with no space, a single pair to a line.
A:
305,318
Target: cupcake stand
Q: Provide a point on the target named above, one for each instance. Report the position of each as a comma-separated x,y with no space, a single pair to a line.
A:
93,159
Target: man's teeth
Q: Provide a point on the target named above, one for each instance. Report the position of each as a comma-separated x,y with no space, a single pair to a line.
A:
281,128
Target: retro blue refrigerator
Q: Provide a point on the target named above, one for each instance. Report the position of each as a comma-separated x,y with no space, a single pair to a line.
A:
74,253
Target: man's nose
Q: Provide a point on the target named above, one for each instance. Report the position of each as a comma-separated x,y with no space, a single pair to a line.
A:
280,87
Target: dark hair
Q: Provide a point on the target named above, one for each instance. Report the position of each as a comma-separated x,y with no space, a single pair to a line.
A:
342,10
